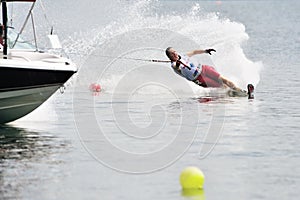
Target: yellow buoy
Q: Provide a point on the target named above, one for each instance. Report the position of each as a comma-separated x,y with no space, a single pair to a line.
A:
192,178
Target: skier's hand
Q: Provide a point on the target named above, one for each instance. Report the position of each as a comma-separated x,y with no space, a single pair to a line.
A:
209,51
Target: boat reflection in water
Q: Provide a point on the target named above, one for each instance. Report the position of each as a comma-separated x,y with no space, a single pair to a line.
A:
28,158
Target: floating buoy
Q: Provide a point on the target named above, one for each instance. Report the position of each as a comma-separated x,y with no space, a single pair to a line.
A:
191,178
95,87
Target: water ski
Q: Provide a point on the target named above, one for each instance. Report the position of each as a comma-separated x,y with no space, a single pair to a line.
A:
243,93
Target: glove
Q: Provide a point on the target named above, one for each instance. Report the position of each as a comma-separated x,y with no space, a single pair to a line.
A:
209,51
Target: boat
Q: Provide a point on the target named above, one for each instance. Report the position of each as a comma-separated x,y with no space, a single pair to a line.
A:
28,75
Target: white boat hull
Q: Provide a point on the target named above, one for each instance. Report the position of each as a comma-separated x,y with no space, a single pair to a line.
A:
28,76
18,103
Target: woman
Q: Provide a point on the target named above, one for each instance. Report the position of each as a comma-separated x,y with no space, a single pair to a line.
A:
202,75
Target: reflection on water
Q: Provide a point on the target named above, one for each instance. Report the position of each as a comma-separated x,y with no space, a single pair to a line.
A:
193,194
27,158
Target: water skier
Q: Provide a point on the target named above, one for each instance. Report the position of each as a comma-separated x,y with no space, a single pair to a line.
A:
202,75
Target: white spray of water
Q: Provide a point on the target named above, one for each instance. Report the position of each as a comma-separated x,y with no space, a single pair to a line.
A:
207,30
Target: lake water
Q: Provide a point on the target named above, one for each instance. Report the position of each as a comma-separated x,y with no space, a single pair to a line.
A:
132,140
